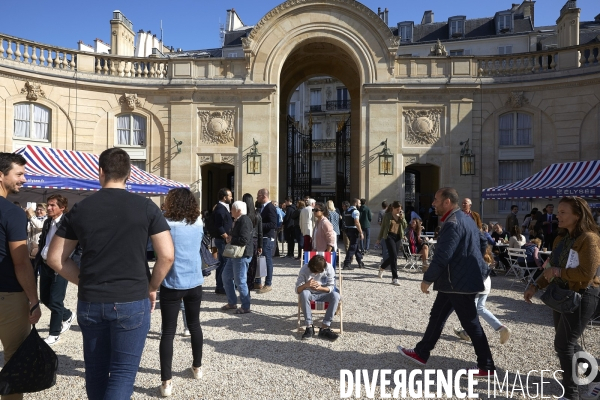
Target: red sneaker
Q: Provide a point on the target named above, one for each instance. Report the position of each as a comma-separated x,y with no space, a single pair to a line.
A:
481,373
411,355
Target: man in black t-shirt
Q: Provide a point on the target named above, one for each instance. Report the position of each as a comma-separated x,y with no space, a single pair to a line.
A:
19,304
115,298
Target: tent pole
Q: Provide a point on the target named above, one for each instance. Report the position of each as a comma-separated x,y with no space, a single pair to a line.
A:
481,211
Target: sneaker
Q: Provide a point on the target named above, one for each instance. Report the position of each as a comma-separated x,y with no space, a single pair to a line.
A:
504,334
593,393
197,372
166,390
462,334
265,289
411,355
51,339
328,334
380,274
308,333
348,267
481,373
395,282
186,332
66,325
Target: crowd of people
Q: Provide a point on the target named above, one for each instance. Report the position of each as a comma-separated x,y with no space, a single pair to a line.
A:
89,244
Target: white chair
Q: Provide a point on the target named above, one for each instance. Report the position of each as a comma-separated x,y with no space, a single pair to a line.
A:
413,261
523,274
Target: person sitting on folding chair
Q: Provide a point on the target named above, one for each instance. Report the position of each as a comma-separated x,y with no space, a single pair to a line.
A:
316,282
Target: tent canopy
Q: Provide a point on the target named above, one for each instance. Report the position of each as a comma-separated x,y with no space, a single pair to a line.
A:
49,168
557,180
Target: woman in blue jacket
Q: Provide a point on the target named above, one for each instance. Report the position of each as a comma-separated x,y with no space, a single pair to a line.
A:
184,281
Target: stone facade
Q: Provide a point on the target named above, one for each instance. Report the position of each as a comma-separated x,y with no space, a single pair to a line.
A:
216,107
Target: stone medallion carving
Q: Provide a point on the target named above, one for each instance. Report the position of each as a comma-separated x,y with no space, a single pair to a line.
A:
516,100
422,126
228,160
217,126
438,50
130,100
33,90
408,160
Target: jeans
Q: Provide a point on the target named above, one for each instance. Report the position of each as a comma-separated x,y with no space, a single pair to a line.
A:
236,270
220,245
569,328
114,335
392,260
353,236
305,297
485,313
365,243
267,251
170,300
464,305
53,289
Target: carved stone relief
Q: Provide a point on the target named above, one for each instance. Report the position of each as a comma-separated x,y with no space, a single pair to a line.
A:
228,160
438,50
130,100
33,90
204,160
422,126
217,126
517,100
408,160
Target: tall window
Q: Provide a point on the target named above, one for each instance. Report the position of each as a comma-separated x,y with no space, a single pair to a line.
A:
292,110
31,121
316,172
315,100
509,172
406,33
317,132
504,22
131,130
515,129
457,27
342,99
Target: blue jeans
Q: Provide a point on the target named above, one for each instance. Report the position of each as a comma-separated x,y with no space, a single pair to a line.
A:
220,245
485,313
366,242
267,251
464,306
305,297
114,335
236,271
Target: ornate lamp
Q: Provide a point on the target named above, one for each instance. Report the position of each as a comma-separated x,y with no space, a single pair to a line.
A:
467,159
254,160
386,160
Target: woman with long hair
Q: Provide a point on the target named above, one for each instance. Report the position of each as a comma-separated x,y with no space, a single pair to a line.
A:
577,235
516,240
391,232
183,282
257,235
416,243
236,269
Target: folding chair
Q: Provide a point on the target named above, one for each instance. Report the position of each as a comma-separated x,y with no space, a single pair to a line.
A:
318,307
412,260
523,274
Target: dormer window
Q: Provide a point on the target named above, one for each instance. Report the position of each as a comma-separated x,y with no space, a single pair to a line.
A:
457,27
504,23
405,31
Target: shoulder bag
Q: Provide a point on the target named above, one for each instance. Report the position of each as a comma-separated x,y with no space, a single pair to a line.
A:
564,301
233,251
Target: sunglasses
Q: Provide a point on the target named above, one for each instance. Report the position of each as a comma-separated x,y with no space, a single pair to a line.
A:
317,210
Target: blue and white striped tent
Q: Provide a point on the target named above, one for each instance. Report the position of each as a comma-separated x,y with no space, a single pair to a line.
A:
557,180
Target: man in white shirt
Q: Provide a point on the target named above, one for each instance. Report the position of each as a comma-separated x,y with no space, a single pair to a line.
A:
53,287
307,224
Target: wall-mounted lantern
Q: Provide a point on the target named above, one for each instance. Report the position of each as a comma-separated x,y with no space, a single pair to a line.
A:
467,159
386,160
253,164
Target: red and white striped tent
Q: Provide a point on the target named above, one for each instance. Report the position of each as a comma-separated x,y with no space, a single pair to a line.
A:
49,168
557,180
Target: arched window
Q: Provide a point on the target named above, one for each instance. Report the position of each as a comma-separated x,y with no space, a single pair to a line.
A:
32,121
131,130
515,129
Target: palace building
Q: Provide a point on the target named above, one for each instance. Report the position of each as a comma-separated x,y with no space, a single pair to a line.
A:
322,98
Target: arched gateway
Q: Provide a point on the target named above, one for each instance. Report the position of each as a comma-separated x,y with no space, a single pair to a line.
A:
301,39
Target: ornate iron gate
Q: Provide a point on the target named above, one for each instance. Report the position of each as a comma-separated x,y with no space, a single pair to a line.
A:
342,162
299,154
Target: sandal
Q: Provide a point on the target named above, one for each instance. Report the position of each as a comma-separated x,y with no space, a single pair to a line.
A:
229,307
242,311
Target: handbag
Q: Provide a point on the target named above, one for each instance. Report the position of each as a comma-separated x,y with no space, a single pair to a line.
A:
31,369
261,269
233,251
564,301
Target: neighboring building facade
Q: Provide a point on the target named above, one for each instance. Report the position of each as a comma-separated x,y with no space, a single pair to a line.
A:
515,109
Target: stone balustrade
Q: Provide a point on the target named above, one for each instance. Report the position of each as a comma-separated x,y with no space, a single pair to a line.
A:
130,67
37,54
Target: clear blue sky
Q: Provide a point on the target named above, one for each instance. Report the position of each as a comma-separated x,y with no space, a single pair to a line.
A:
195,24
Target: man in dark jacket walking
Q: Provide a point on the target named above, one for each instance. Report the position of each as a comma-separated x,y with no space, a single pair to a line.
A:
365,223
222,229
288,226
457,272
269,226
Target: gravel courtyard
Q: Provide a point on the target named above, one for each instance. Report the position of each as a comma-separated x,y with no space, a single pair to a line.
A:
260,355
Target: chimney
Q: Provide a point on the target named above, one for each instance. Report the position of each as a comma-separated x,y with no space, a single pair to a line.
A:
121,35
427,17
383,14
